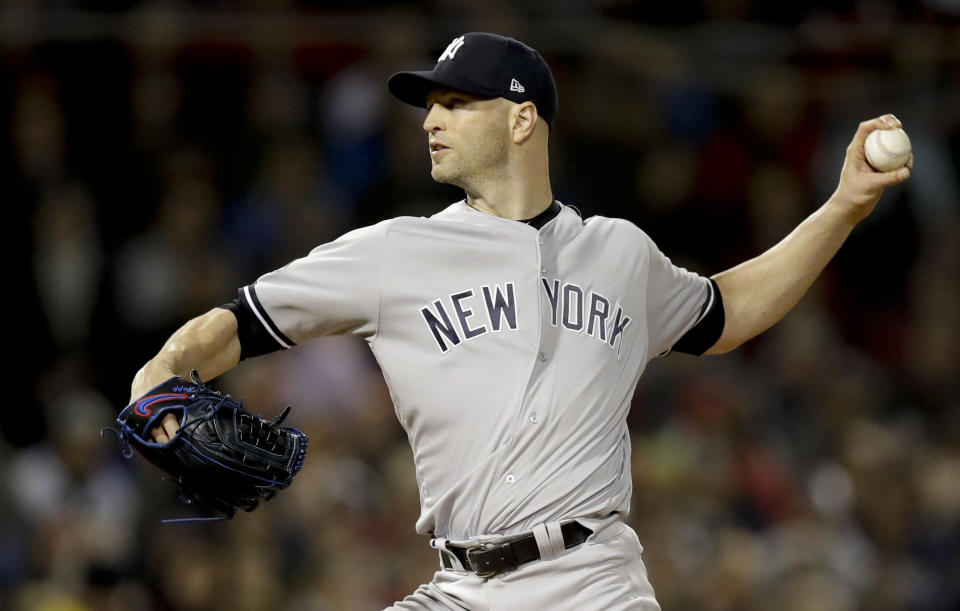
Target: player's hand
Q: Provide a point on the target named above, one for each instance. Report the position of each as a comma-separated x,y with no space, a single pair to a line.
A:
166,430
860,185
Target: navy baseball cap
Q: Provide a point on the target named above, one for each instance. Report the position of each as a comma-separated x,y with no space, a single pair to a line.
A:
486,65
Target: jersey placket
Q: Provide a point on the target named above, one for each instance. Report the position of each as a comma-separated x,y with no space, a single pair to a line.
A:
511,494
536,412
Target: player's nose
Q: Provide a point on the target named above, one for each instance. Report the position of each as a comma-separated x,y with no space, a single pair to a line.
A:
435,120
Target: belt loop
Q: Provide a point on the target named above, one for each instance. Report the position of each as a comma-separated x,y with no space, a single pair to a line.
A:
556,538
446,556
543,542
549,540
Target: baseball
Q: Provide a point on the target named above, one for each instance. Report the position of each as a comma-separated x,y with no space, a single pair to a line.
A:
887,149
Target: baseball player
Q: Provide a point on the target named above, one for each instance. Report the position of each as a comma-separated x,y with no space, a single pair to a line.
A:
511,333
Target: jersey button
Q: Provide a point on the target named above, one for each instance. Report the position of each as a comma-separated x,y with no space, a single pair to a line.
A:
541,356
511,478
540,241
534,417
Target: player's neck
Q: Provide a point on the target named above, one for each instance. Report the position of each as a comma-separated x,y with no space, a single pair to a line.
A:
513,197
519,187
512,204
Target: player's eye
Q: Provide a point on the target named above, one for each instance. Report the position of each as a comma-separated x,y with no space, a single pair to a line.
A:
448,103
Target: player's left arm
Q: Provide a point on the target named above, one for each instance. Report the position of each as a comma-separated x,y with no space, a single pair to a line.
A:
759,292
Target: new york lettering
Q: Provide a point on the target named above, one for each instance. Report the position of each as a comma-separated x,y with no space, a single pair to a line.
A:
577,310
463,322
470,314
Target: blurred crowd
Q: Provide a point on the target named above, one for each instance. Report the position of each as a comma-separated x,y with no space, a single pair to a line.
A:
158,155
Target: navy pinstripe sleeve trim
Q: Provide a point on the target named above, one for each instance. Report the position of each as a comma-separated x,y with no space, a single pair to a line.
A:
708,328
257,332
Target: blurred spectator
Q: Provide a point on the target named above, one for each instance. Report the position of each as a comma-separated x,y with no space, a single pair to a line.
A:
287,211
78,505
176,268
68,264
156,100
39,130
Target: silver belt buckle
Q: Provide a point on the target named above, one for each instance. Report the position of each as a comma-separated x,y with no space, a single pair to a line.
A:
483,547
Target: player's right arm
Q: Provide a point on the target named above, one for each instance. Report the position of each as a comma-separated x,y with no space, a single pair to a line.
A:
209,343
333,290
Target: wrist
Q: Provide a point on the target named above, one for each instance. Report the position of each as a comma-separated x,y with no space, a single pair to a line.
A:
845,209
152,374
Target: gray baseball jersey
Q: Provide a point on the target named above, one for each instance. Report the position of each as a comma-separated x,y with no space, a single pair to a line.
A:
511,351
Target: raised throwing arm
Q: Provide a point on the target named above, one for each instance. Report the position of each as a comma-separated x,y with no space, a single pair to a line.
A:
759,292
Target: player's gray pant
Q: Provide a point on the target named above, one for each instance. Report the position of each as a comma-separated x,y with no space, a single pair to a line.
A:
605,573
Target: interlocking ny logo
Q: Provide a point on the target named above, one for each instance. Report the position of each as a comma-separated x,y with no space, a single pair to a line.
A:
452,49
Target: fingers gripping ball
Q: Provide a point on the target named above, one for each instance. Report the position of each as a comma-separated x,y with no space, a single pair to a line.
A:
887,149
222,457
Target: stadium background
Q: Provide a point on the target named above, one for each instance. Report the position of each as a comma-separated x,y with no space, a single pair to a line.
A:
157,155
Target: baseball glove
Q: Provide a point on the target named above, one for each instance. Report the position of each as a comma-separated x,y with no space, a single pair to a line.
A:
222,457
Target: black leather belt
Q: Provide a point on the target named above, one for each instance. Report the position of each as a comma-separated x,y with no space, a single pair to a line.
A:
490,559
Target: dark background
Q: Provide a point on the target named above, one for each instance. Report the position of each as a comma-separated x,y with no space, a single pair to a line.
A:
154,156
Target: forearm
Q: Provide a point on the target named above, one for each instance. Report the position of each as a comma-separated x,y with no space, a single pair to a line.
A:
208,343
759,292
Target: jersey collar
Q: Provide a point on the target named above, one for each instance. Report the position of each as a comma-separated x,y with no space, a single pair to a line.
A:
544,217
463,211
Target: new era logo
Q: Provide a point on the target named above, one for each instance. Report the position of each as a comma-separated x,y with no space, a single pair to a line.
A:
516,86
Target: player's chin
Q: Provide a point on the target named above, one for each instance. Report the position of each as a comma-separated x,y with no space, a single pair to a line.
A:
442,175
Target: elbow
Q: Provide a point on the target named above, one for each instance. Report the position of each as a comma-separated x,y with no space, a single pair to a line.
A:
723,346
733,337
734,333
738,319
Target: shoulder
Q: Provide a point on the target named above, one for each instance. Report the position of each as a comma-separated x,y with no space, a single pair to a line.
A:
617,228
388,227
610,223
453,222
458,211
402,229
368,235
618,239
455,211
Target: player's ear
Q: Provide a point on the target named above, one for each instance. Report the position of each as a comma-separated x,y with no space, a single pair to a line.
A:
523,120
